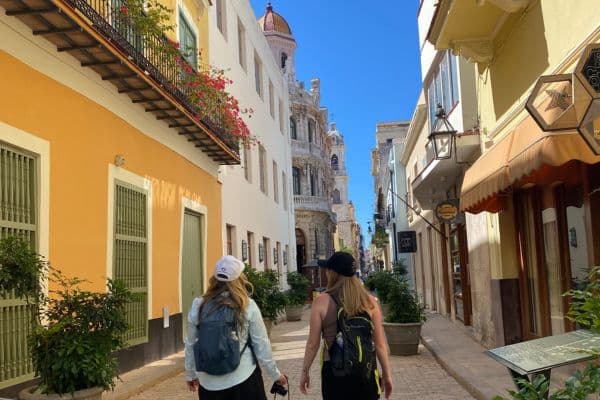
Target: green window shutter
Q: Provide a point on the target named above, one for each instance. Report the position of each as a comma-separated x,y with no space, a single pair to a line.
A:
130,262
18,217
187,39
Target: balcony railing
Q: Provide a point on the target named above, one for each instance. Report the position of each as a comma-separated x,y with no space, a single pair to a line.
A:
98,34
312,203
300,148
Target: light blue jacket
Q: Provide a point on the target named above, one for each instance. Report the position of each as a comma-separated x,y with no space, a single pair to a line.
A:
260,345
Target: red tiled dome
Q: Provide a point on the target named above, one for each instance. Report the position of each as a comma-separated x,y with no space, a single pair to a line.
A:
273,22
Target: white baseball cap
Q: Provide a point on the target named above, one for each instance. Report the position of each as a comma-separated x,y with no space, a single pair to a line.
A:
228,269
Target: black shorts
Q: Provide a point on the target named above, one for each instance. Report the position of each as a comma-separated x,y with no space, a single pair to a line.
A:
346,388
252,388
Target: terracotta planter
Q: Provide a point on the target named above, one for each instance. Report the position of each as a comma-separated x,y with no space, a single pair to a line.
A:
86,394
403,339
268,325
294,312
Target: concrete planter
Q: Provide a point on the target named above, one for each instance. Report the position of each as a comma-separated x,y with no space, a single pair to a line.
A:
86,394
403,339
294,312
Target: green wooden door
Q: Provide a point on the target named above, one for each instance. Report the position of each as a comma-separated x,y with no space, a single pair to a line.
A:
191,261
18,217
130,259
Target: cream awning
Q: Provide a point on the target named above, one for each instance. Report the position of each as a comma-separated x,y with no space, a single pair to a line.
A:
519,154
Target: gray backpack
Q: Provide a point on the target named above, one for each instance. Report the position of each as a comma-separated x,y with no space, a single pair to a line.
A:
217,348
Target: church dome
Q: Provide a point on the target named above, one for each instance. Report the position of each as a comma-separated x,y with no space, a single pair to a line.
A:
273,22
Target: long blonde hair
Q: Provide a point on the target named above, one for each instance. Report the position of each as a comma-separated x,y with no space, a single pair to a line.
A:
238,297
354,297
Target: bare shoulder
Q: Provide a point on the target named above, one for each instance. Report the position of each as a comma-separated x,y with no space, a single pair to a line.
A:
321,301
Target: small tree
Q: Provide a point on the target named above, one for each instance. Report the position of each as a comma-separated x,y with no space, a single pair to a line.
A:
266,293
297,294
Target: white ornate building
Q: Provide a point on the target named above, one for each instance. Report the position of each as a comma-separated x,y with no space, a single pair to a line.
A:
347,236
312,178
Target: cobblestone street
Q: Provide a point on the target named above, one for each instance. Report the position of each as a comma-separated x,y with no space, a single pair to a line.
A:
416,377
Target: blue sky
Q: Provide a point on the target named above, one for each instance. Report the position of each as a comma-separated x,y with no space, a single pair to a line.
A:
367,56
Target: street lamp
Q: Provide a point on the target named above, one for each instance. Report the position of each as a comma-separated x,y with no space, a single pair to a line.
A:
442,138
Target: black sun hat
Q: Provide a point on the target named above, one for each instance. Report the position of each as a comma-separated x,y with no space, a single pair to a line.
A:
341,262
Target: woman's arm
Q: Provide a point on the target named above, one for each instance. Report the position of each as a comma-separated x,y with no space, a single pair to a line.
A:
192,322
314,338
259,340
381,348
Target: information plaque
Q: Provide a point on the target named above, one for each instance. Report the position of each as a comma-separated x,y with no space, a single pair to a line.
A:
547,353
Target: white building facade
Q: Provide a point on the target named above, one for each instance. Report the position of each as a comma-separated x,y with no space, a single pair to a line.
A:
312,179
264,237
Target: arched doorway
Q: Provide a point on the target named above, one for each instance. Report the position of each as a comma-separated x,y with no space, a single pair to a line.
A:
300,249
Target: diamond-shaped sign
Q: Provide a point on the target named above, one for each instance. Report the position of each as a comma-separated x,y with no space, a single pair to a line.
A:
590,127
588,69
558,102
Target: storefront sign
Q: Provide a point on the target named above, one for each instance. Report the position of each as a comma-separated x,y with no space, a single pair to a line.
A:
407,242
447,210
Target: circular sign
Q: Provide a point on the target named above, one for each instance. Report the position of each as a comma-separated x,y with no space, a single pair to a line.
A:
446,211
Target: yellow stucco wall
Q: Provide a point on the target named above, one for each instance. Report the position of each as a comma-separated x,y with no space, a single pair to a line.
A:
84,139
539,43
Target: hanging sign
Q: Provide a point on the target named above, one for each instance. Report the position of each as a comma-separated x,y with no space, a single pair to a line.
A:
447,211
407,242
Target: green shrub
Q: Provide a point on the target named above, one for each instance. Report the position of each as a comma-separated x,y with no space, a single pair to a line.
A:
297,294
21,268
381,282
404,303
73,349
266,293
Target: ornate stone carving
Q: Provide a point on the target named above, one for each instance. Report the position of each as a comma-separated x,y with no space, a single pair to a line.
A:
478,50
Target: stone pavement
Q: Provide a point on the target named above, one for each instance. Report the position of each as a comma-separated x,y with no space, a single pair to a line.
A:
415,377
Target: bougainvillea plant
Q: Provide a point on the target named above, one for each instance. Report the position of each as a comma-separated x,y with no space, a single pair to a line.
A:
205,87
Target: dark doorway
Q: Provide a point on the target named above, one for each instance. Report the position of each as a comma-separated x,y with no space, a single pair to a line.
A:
300,250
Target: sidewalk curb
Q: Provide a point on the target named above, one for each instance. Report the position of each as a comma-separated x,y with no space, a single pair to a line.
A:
473,390
141,379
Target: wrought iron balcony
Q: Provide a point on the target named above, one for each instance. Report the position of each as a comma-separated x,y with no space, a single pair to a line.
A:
93,32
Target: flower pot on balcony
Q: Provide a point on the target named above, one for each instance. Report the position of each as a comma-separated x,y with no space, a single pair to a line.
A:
293,312
403,339
32,393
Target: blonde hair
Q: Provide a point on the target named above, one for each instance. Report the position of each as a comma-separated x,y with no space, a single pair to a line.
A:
354,297
239,294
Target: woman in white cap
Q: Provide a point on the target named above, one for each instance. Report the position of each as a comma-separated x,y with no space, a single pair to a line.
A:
229,290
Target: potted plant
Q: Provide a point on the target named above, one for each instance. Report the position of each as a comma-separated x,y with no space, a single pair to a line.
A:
266,293
403,323
296,296
380,283
72,351
74,332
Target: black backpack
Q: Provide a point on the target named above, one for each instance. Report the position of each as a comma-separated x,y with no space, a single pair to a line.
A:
353,350
217,348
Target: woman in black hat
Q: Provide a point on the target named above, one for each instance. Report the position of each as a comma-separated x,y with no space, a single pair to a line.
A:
345,299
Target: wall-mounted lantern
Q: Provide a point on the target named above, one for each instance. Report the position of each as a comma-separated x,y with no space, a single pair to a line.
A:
261,252
442,138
